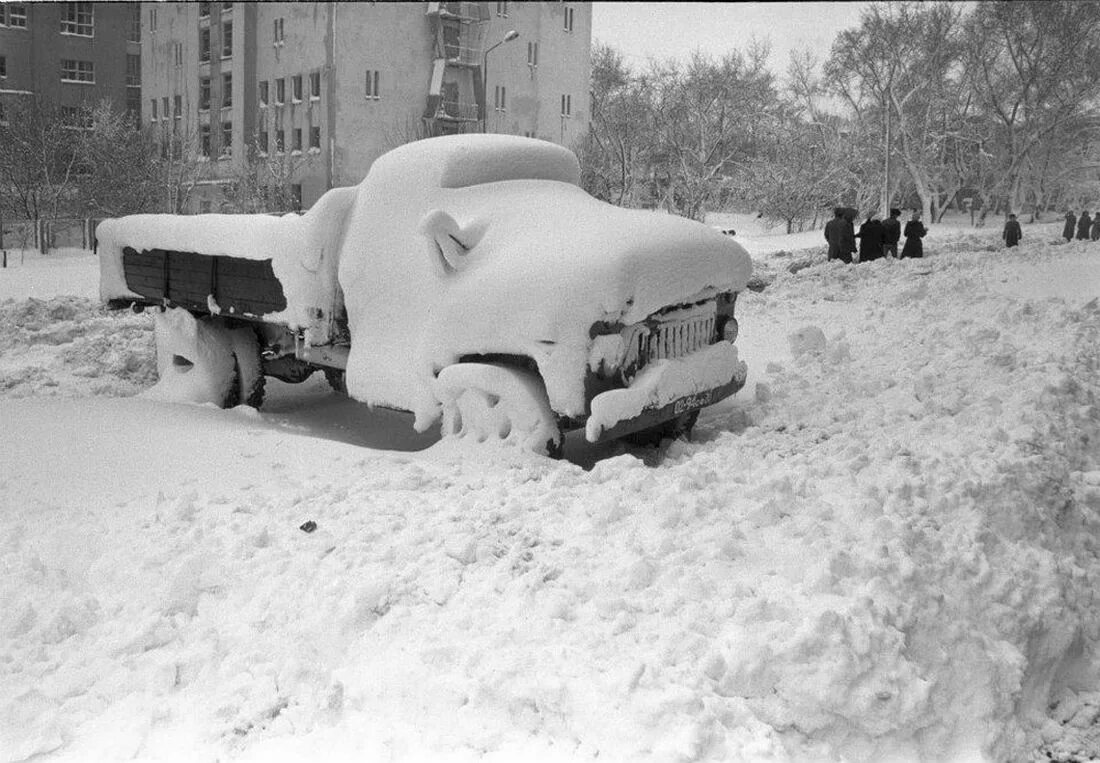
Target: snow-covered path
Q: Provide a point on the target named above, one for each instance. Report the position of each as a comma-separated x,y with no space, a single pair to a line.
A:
885,546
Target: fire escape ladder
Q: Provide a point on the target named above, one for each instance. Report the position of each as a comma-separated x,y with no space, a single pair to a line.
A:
455,93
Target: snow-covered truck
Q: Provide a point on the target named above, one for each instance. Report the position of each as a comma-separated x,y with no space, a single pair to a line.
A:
467,278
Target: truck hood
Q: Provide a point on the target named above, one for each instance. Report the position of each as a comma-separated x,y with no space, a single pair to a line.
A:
569,258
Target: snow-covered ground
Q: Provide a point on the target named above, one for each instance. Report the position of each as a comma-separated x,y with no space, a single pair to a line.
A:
885,548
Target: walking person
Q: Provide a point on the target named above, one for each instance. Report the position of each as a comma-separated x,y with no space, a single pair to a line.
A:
870,238
914,232
891,233
1083,225
838,232
1071,223
1012,233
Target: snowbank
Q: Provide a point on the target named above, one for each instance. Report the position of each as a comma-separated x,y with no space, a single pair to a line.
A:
884,550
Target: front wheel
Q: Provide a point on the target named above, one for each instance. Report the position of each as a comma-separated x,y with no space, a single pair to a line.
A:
483,402
679,427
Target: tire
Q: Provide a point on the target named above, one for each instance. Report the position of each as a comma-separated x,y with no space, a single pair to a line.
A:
483,403
679,427
251,382
337,379
202,360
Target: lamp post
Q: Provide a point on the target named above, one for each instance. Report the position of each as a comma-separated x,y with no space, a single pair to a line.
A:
508,37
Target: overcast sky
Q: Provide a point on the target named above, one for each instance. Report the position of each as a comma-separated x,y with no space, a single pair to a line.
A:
663,30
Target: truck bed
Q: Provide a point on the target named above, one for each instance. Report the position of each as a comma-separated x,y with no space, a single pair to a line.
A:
243,287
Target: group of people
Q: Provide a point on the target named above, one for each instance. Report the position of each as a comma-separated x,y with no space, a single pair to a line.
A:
1087,227
877,238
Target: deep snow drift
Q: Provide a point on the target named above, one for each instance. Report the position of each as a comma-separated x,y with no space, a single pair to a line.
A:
883,548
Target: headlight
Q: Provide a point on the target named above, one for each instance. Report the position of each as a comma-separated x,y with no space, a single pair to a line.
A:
729,331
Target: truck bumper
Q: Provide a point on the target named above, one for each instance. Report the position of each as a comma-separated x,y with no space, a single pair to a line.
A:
666,389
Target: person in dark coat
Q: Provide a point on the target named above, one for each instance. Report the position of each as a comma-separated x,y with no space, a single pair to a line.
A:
1071,223
1012,233
1096,227
1083,225
838,232
870,238
914,232
891,233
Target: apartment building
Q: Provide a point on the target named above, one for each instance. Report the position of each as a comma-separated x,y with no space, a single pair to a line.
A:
71,54
332,86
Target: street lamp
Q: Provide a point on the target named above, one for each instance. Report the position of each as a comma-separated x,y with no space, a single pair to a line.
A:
508,37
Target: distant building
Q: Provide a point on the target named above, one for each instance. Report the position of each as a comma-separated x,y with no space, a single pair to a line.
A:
71,54
335,85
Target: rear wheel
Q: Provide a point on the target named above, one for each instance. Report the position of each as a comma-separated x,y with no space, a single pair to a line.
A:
203,360
337,379
483,402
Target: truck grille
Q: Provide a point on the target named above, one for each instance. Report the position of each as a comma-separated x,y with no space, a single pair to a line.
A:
672,334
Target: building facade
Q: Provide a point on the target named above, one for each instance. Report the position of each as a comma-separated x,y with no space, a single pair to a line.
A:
71,55
329,87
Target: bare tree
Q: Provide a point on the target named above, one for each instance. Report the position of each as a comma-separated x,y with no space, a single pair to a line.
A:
616,149
1034,67
897,70
264,182
39,159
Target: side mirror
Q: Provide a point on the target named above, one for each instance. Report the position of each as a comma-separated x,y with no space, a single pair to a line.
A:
451,241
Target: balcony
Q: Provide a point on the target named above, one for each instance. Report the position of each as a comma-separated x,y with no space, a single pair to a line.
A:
465,12
458,111
461,55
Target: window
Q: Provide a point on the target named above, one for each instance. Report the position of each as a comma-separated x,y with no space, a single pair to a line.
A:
152,109
133,105
227,7
498,98
315,137
204,93
17,15
315,86
204,45
204,139
69,116
263,93
298,139
532,54
227,39
280,91
152,19
76,18
14,15
502,8
278,31
280,141
261,142
134,33
372,84
164,106
77,71
177,106
227,138
133,70
566,105
227,90
568,19
3,66
178,51
296,83
204,10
